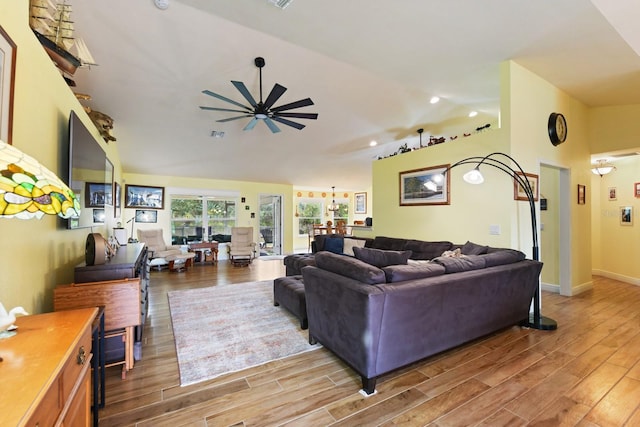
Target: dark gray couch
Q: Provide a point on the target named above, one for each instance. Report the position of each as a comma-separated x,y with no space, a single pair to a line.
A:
380,319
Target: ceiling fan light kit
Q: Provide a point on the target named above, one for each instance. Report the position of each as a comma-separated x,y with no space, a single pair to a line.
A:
263,110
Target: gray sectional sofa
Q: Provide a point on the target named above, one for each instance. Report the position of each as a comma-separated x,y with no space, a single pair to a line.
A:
383,314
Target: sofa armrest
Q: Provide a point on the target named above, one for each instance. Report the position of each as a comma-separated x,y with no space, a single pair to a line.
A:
345,316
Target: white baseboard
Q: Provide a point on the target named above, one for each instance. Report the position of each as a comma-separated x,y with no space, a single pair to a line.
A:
616,276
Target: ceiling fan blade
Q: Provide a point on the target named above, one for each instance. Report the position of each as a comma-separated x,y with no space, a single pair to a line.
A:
245,92
313,116
251,124
298,104
288,122
274,95
233,118
272,126
223,109
224,98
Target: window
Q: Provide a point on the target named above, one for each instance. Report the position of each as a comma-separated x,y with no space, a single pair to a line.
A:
309,213
222,216
189,213
342,213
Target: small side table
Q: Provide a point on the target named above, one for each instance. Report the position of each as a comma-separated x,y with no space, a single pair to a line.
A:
206,251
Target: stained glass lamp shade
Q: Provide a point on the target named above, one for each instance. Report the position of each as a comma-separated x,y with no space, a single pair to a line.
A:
29,190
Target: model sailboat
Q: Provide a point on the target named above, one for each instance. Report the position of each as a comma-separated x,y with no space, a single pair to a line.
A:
52,24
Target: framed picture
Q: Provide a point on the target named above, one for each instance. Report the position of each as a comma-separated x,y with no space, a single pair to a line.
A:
142,196
426,186
613,193
636,189
582,197
518,190
98,216
626,215
146,216
7,78
360,203
96,194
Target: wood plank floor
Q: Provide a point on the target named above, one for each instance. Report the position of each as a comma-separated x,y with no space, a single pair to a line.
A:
587,373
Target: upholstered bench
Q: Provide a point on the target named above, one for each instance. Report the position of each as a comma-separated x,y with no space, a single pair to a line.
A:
289,292
179,261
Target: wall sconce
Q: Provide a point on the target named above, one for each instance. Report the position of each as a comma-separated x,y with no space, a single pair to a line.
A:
29,190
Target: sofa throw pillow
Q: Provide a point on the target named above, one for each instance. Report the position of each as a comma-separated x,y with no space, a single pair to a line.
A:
349,244
457,265
381,258
471,248
350,267
334,244
505,256
400,273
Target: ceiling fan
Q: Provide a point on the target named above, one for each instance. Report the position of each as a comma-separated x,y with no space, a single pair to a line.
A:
264,110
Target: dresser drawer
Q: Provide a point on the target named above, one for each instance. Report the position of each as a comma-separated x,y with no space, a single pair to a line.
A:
79,358
49,408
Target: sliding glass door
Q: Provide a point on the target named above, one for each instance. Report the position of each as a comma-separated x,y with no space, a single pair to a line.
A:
270,224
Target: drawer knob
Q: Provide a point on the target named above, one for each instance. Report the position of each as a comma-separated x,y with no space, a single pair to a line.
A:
82,356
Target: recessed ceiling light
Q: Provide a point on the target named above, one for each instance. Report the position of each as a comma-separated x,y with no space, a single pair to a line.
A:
434,99
373,143
473,114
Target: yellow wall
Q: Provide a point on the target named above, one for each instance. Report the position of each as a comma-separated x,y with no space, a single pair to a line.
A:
532,99
617,247
473,208
526,102
37,255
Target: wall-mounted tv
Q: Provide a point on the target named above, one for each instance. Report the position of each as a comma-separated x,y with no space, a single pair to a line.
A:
90,175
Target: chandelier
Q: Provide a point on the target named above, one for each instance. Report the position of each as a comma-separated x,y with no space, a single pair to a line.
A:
333,206
602,167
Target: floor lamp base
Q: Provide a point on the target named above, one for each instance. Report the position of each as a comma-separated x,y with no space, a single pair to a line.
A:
543,323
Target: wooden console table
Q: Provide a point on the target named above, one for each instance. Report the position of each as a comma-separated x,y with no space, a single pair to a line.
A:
203,248
45,370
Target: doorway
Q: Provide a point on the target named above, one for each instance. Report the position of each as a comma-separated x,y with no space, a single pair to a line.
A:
555,227
270,208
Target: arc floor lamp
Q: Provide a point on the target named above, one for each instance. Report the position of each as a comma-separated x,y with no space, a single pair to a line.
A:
500,161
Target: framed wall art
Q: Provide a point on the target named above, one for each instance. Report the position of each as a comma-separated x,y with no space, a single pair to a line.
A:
613,193
426,186
360,203
146,216
582,196
518,190
636,189
97,194
7,79
626,215
142,196
98,216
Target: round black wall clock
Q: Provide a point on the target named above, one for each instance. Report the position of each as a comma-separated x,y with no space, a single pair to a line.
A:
94,250
557,128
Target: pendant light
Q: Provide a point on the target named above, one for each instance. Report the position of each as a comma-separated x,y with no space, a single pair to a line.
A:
333,206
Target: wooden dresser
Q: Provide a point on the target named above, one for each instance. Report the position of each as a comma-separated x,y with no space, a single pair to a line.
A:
44,375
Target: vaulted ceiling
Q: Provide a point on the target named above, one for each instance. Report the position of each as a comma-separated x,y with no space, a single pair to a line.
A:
370,68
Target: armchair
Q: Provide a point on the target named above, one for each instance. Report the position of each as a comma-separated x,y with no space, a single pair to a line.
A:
160,253
242,248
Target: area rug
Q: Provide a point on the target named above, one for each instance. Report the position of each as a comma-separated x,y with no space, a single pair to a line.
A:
228,328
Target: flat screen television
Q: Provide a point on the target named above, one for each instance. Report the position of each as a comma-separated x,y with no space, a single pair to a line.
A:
90,176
